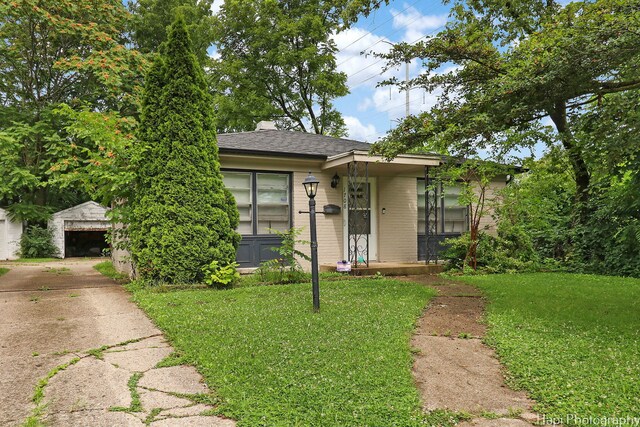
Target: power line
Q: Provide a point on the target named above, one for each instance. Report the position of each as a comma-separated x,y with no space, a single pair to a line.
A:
393,108
373,29
382,39
381,59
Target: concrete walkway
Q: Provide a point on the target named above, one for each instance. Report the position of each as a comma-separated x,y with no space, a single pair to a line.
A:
64,323
454,369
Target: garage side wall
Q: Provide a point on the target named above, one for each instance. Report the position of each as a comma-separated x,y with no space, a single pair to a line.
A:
121,258
56,225
10,234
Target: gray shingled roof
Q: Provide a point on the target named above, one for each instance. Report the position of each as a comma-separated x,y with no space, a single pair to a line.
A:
287,144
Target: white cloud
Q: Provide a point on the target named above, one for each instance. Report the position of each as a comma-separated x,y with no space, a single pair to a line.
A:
356,47
357,130
213,53
415,24
360,68
390,100
215,6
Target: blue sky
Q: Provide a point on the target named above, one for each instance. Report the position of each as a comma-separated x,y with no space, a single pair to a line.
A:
370,111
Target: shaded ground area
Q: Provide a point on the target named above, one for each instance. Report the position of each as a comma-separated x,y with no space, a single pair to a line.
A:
71,273
453,369
80,310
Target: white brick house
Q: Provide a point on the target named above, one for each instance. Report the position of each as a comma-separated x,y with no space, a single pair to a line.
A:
382,215
383,208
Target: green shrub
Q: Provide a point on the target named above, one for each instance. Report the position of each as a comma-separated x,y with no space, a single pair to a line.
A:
286,268
37,242
181,216
509,252
218,275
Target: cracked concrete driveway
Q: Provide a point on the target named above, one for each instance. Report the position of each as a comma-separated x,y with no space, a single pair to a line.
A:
52,314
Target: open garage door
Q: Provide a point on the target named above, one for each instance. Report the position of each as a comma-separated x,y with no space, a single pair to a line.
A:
85,238
84,243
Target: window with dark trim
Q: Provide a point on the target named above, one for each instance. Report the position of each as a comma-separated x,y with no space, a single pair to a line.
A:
453,218
263,198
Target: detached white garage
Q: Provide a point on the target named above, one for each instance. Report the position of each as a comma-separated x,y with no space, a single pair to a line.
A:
10,232
80,231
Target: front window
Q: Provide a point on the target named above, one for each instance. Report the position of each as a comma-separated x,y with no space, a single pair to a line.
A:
239,183
272,202
452,217
263,198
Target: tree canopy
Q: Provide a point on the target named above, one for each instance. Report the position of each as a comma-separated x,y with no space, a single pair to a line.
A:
152,18
55,54
503,65
277,61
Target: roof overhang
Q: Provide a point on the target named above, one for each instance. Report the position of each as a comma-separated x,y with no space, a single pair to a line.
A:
403,164
268,162
267,153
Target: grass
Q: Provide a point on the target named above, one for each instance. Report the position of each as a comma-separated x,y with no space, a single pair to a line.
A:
33,420
58,271
255,280
132,385
272,361
572,341
3,271
106,268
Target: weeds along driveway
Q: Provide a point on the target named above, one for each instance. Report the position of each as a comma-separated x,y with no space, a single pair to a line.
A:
53,313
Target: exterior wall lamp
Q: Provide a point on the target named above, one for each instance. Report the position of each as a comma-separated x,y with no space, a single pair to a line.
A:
335,180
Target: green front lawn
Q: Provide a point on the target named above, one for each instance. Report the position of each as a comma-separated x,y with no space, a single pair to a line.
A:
572,341
273,362
3,271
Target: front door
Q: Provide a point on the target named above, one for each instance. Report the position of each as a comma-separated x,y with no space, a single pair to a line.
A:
360,220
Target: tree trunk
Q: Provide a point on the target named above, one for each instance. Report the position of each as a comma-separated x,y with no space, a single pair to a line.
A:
581,172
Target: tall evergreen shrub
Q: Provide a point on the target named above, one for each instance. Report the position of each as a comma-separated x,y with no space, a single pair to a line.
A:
182,217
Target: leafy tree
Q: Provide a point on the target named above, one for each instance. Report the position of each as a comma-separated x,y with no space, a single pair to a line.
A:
181,216
609,241
475,179
54,54
97,157
517,62
277,60
540,202
152,18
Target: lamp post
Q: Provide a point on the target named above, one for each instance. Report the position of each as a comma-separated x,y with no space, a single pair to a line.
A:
311,187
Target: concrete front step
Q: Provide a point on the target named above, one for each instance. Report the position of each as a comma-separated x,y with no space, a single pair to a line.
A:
390,269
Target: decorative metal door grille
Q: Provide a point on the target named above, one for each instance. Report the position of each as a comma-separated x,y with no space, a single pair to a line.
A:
431,216
358,213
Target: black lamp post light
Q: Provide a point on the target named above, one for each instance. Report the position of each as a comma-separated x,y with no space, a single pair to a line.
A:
311,187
